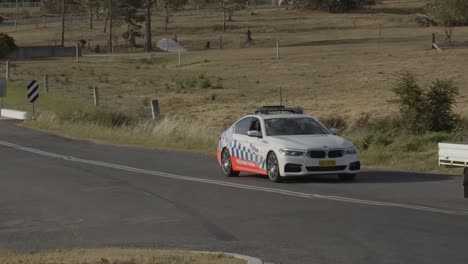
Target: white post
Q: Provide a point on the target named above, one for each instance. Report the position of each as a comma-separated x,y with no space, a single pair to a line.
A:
46,83
96,96
277,50
179,56
7,73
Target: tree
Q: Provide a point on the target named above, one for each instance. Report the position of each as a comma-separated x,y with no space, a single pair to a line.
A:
167,6
133,19
148,35
63,23
228,7
90,6
7,44
449,14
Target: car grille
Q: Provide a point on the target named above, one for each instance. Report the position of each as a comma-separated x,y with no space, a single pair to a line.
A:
322,169
336,153
317,154
321,154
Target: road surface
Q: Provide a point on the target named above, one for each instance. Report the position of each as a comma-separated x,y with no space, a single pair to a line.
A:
62,193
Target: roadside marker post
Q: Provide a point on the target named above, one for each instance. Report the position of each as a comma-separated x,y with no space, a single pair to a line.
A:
277,50
3,90
433,40
155,111
33,94
7,73
96,96
179,56
46,83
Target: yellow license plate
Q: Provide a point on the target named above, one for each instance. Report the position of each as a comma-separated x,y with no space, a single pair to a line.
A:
327,163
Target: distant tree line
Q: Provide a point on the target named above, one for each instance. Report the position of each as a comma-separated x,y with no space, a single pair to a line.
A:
332,6
134,13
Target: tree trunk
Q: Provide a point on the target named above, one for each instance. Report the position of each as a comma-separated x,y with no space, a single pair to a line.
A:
224,17
230,16
132,40
148,45
105,23
63,23
91,19
166,25
110,26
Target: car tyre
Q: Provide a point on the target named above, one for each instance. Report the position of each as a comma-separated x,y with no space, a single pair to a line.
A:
273,168
226,164
347,177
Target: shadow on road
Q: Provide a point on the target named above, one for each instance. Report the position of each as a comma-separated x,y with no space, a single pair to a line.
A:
367,177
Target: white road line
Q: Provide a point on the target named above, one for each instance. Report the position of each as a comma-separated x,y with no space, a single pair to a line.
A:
236,185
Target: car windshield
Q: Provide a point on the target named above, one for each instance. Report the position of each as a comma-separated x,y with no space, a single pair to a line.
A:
294,126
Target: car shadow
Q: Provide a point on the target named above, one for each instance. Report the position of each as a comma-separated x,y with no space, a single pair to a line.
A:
368,176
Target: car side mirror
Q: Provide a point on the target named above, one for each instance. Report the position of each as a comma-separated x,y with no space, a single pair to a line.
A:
334,131
254,133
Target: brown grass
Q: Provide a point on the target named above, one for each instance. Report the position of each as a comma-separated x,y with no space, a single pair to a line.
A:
118,256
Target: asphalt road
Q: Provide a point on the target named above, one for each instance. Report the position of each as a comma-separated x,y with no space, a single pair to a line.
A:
61,193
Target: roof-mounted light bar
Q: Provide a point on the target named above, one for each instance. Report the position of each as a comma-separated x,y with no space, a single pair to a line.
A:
266,110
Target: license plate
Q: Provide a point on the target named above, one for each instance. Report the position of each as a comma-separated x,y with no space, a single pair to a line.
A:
327,163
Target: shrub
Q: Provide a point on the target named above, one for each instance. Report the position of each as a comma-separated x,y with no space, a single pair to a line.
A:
411,102
205,83
441,99
335,121
423,111
7,45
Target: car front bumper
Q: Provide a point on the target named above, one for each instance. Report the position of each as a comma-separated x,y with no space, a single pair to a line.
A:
291,166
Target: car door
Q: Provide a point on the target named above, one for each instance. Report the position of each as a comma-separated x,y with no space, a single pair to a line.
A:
257,147
240,138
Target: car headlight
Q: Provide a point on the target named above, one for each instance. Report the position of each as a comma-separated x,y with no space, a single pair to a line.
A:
351,151
293,152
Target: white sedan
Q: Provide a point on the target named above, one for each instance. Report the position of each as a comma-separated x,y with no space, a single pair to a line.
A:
285,145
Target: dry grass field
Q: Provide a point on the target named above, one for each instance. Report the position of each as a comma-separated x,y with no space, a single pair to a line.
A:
351,72
117,256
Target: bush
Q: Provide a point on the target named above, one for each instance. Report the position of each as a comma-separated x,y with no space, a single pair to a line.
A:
412,102
335,121
7,45
423,111
441,99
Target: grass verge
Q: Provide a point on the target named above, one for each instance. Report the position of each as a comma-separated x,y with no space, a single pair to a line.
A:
118,256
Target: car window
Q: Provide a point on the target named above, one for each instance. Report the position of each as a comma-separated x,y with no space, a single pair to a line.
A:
243,126
256,125
294,126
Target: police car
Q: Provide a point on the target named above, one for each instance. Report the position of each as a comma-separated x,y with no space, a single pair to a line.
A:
282,142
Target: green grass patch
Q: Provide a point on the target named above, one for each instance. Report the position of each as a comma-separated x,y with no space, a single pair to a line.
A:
402,152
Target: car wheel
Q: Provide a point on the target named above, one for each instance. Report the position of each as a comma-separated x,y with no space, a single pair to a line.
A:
273,168
226,164
347,177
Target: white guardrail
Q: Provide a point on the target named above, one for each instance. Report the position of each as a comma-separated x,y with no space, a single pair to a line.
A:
15,114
